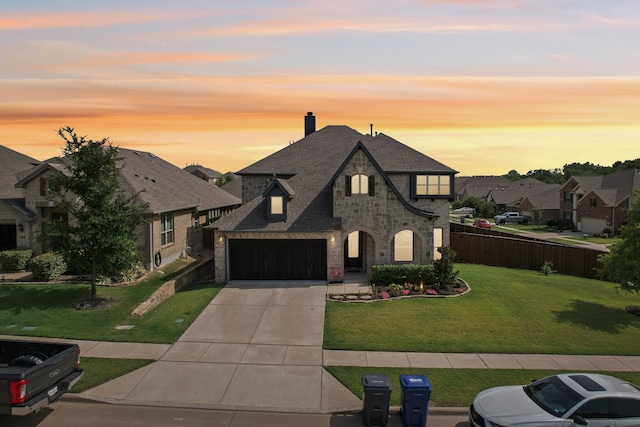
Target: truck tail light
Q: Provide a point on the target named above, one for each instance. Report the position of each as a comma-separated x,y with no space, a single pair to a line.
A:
18,391
78,363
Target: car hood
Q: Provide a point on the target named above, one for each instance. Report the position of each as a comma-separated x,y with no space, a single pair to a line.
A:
509,405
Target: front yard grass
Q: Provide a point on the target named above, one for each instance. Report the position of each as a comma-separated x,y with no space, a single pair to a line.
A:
47,310
98,371
507,311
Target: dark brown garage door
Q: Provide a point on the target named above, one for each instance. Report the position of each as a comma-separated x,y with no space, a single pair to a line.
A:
282,259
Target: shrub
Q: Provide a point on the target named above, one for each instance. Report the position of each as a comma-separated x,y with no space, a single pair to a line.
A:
547,268
444,274
47,267
387,274
14,260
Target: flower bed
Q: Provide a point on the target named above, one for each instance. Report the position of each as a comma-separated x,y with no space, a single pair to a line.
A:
406,290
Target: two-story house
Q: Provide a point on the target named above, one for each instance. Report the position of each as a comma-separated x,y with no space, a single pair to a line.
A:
178,204
333,202
595,203
14,215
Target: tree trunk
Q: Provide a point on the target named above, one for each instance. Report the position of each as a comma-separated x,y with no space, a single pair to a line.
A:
94,292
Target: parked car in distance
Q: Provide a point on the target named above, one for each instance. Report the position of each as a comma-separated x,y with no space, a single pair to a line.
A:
560,400
482,223
512,217
464,211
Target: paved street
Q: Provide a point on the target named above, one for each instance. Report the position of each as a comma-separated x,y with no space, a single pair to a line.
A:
88,414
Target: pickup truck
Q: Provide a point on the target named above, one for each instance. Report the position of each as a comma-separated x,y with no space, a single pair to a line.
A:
512,217
34,374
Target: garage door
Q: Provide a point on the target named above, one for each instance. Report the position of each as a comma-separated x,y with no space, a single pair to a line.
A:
281,259
7,237
592,225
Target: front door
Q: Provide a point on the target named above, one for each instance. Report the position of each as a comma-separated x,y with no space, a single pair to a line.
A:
353,251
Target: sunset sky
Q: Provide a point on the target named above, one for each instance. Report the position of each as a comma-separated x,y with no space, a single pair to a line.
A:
483,86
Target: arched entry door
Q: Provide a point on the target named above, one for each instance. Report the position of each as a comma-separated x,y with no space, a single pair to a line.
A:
353,251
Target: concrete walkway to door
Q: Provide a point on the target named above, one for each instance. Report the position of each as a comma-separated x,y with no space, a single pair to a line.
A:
256,346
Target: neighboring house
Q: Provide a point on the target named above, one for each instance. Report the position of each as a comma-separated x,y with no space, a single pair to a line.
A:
233,184
14,215
545,201
179,204
479,186
335,201
595,203
509,198
203,173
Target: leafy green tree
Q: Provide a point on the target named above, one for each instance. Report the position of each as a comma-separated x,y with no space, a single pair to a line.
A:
513,175
101,231
622,264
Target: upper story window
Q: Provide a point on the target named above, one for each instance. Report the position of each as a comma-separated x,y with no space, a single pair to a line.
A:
568,197
431,186
593,202
166,228
360,184
48,186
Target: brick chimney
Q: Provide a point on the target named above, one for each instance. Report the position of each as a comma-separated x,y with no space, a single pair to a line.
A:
309,124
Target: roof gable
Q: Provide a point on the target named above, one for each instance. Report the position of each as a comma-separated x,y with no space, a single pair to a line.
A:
12,163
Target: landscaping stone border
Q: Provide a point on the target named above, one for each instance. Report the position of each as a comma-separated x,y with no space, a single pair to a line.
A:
367,297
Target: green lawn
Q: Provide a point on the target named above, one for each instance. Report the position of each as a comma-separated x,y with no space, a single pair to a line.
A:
507,311
47,310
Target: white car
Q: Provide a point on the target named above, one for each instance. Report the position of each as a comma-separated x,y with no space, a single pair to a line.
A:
561,401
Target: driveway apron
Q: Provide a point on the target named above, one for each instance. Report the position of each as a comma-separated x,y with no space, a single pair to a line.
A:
257,345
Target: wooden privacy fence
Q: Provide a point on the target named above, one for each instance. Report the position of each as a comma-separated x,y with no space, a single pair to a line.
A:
507,250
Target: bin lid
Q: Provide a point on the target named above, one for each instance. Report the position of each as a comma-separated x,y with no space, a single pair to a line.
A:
414,381
376,381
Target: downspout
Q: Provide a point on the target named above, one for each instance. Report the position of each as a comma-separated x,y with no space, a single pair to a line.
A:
150,246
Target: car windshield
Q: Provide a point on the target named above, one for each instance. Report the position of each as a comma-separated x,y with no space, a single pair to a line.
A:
552,395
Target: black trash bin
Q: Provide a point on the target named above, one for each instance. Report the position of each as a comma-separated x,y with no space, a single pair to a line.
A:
416,392
376,393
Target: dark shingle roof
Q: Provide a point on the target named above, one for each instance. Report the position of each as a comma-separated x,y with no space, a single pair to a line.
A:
209,173
12,164
166,187
310,164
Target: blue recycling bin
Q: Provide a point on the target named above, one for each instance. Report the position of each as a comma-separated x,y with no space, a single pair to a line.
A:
376,394
416,392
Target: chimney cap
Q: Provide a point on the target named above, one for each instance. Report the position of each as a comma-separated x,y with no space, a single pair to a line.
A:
310,113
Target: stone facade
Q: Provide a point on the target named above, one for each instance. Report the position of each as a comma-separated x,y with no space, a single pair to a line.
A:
382,215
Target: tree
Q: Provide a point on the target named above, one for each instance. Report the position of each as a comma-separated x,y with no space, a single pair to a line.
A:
622,264
101,236
513,175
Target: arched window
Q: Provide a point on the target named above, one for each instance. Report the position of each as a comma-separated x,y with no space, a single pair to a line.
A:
360,184
403,246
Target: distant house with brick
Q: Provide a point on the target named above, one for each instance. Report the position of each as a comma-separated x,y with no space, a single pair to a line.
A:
336,201
179,204
596,203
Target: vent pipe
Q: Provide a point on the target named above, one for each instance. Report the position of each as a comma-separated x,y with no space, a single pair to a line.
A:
309,124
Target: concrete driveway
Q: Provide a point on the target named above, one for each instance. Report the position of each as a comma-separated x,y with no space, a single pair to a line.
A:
257,345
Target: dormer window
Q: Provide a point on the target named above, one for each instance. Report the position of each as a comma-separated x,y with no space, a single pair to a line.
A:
360,184
434,186
278,194
277,205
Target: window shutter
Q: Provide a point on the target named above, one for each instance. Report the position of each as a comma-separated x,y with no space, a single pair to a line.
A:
372,183
347,186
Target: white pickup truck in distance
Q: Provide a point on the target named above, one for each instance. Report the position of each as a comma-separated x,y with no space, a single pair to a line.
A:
511,217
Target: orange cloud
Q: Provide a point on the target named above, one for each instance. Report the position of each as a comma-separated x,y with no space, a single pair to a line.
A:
236,120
